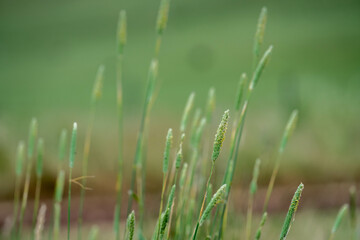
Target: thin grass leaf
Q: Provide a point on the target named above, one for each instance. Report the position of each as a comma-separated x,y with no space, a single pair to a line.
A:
338,220
185,116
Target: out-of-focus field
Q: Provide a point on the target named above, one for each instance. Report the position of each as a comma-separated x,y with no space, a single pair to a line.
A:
50,52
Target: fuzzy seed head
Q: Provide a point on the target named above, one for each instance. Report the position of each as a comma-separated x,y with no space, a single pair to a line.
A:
32,136
189,105
73,146
130,226
217,198
20,156
171,197
164,222
291,212
210,106
220,135
40,157
162,16
168,144
253,184
179,155
98,84
121,32
290,126
59,188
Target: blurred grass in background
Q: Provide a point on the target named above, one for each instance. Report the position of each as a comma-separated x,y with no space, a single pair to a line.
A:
50,51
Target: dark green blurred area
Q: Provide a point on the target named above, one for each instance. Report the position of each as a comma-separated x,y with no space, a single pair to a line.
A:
50,51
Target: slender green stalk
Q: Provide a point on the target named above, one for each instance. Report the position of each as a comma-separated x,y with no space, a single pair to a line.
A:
338,220
20,157
290,126
353,219
62,147
130,226
96,94
39,227
290,217
31,145
262,223
121,42
252,191
188,107
71,166
39,170
59,188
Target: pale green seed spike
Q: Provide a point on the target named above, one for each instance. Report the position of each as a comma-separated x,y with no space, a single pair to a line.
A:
62,145
189,105
32,136
153,72
121,32
164,222
290,217
220,136
20,158
194,126
253,184
179,155
40,157
353,220
217,198
94,233
339,218
98,84
130,226
199,132
183,175
210,106
168,144
259,69
240,91
162,16
73,146
290,126
260,32
262,223
59,188
171,197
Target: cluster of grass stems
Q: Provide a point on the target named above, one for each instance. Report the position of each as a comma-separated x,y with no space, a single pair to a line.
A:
192,205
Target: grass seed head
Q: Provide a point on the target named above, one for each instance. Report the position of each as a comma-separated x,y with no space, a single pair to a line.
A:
130,226
40,157
217,198
260,31
220,135
291,212
171,197
164,221
262,223
32,136
168,144
162,16
189,105
121,32
179,155
98,84
20,156
253,184
73,146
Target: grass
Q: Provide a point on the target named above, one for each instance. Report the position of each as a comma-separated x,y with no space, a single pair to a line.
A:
191,197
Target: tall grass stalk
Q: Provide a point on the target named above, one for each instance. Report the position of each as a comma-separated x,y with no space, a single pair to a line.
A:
71,166
290,126
353,218
20,157
130,226
290,217
96,94
62,148
121,42
39,227
259,35
39,170
338,220
229,173
252,191
30,152
59,189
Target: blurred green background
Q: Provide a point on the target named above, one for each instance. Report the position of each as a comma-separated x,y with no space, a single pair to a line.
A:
50,52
